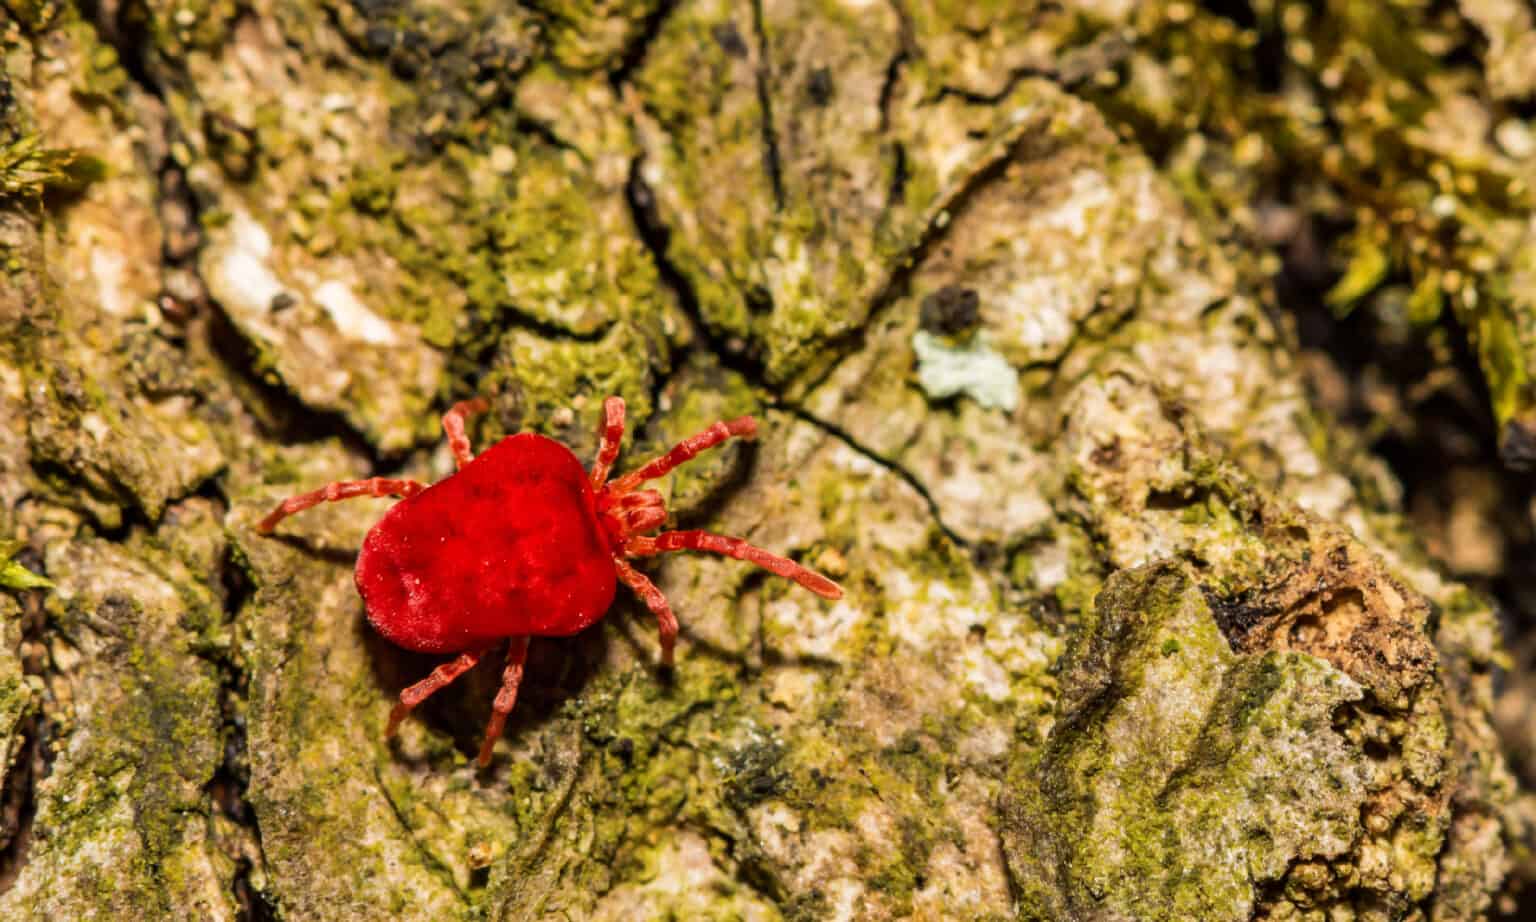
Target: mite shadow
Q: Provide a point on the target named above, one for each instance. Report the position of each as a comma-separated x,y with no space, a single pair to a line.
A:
557,669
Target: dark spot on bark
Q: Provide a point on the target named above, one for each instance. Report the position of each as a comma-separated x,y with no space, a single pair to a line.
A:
819,86
282,301
729,39
1048,610
950,311
1236,617
232,144
1171,500
1307,632
378,39
1517,445
755,774
624,748
1108,454
759,300
410,56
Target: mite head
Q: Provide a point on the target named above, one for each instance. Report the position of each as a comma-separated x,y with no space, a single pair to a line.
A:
630,514
626,511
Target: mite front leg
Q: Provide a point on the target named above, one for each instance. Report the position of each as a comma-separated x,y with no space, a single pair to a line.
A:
335,492
453,427
666,622
609,437
743,427
511,678
440,678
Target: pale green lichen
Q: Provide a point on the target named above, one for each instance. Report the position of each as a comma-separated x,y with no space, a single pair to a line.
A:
974,369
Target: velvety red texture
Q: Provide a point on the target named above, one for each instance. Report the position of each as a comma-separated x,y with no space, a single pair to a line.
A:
508,546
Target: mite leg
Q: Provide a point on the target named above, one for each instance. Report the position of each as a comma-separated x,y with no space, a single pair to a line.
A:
609,438
511,678
666,622
453,426
438,680
685,451
737,548
335,492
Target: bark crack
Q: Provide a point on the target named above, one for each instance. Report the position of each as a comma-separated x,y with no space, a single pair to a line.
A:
634,55
763,73
657,238
890,464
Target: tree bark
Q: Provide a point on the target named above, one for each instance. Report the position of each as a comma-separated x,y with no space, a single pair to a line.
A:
1134,629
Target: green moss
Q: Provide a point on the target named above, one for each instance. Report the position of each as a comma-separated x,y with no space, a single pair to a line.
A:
13,575
593,34
1438,222
1503,358
29,170
1147,801
145,739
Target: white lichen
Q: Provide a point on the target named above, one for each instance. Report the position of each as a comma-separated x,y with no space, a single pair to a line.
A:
974,369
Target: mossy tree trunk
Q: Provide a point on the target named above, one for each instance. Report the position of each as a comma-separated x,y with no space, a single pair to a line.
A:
1133,630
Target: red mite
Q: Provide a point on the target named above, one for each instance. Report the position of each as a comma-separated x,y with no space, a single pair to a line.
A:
521,542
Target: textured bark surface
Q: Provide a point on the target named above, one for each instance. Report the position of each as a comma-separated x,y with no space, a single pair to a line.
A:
1135,626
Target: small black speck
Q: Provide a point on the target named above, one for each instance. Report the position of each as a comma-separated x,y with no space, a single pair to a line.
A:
282,301
1517,445
373,9
378,39
729,39
624,748
951,310
819,87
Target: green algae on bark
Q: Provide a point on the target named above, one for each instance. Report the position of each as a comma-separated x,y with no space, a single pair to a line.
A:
1399,123
108,410
1179,778
18,699
13,575
123,823
1147,643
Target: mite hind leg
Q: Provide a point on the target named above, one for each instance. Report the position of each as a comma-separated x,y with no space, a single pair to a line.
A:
511,678
440,678
336,492
666,621
453,427
725,545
